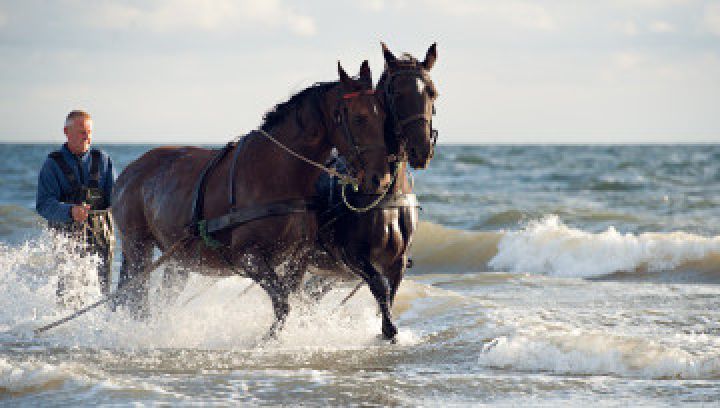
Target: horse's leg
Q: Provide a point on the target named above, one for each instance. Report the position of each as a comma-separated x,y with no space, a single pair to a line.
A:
379,288
137,254
173,282
318,286
258,269
395,273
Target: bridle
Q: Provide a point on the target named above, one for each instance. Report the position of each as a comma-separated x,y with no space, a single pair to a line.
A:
413,71
340,116
341,120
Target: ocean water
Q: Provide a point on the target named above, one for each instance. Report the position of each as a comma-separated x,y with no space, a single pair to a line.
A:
543,275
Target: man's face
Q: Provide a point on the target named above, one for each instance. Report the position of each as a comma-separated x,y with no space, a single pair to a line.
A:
79,135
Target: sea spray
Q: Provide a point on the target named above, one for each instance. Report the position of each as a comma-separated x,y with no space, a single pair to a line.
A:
207,313
549,247
29,276
598,353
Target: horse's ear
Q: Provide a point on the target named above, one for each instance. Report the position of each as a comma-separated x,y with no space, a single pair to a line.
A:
344,78
389,57
365,74
430,57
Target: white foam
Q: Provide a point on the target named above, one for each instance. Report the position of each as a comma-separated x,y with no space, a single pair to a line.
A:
29,275
27,376
598,354
549,247
207,314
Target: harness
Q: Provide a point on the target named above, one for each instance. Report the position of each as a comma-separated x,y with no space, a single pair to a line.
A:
237,216
91,194
337,203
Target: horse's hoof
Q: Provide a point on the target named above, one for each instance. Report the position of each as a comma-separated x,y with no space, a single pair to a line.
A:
389,333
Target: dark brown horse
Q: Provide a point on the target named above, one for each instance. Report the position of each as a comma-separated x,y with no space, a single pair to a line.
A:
374,243
409,96
152,202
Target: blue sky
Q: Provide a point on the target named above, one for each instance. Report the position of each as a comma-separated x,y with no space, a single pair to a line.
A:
508,71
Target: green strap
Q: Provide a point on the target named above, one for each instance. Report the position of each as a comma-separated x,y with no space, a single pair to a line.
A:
209,241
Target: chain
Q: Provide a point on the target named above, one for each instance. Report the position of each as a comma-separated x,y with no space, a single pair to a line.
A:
344,178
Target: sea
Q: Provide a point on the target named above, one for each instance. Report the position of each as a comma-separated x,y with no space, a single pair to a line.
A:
542,276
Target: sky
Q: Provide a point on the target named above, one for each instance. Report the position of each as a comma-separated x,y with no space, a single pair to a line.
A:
508,71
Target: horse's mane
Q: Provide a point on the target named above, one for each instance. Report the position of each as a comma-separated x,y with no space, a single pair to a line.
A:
280,111
405,60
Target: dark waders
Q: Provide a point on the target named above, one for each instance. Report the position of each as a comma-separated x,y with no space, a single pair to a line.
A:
95,235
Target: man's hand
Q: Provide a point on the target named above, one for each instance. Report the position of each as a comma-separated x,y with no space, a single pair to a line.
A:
80,212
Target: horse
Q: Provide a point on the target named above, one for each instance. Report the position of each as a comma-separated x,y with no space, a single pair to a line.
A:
409,96
267,172
367,234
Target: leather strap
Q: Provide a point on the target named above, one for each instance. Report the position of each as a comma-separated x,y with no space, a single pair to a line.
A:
65,168
231,187
199,190
95,159
245,215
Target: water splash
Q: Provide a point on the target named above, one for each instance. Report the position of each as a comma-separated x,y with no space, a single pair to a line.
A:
549,247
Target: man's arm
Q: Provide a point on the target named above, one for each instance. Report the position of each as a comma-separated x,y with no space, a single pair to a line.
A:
47,202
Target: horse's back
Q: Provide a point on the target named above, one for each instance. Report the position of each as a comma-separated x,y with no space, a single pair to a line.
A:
155,187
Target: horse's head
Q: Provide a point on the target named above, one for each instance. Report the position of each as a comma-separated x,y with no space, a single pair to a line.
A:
409,95
358,119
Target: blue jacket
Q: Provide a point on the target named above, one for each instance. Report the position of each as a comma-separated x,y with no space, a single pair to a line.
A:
52,184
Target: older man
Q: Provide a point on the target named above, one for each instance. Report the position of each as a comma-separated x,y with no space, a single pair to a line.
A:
73,195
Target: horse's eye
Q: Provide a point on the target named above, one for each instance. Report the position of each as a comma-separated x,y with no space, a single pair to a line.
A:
359,120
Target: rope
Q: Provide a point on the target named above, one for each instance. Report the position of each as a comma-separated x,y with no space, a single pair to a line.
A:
351,294
164,257
375,202
343,177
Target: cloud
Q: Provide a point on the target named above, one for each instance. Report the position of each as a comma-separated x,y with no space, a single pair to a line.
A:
661,27
628,60
652,4
519,14
203,15
631,28
628,27
711,18
373,5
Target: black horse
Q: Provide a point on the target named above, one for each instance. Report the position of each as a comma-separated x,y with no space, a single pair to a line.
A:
367,234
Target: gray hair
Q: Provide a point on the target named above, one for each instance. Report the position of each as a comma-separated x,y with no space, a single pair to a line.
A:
75,115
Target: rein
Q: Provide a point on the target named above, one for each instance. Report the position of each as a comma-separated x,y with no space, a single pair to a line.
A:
375,202
346,179
131,286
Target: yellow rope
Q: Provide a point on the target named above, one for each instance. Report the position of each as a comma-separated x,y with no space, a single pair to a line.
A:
375,202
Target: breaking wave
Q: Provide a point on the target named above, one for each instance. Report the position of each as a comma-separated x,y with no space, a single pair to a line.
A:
549,247
26,377
598,354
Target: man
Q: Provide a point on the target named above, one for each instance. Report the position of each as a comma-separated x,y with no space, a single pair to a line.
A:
73,195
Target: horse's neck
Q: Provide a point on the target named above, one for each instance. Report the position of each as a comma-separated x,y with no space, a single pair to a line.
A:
292,174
